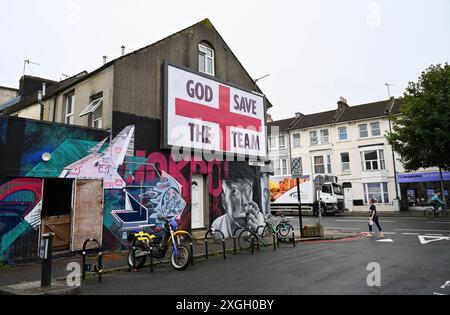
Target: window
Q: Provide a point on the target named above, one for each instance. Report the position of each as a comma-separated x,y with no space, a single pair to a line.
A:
377,191
284,170
329,164
319,165
282,140
70,104
324,136
296,140
273,142
97,117
95,110
375,127
205,59
373,160
276,167
313,140
363,131
345,159
342,133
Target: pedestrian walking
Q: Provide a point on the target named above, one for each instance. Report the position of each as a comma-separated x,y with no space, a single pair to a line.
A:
374,219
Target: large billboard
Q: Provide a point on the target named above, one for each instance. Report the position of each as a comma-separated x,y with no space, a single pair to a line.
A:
203,113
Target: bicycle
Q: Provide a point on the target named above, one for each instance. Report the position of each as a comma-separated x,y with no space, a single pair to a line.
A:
433,212
248,237
157,243
283,228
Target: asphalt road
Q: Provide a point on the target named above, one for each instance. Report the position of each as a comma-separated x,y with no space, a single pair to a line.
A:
407,266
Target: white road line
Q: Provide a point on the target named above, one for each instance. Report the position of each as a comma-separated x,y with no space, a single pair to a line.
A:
341,228
434,234
414,234
438,293
417,230
364,221
439,222
389,233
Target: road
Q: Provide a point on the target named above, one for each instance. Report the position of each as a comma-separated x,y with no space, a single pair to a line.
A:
409,264
390,225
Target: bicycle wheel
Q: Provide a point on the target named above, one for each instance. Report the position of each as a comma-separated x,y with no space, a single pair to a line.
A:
429,213
245,239
284,229
267,232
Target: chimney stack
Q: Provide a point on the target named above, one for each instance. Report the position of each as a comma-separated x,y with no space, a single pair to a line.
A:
104,60
123,50
299,115
342,104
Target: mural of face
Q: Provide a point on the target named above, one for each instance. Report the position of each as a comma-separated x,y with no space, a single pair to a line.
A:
237,201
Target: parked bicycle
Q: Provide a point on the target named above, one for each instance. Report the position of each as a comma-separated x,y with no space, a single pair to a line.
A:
281,229
432,212
157,243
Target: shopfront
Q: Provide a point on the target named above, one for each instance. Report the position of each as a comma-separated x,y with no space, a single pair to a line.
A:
418,188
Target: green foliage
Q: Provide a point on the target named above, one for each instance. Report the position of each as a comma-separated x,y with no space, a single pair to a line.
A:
421,133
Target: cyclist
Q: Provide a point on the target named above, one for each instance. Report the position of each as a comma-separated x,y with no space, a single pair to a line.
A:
437,201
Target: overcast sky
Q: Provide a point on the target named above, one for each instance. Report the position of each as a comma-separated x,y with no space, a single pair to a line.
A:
315,51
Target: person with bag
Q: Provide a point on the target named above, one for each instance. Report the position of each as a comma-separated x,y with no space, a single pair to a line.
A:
373,218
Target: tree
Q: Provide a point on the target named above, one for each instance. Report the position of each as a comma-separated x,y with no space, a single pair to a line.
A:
421,133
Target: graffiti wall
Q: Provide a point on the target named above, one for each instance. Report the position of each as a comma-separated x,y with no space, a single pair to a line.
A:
22,144
140,181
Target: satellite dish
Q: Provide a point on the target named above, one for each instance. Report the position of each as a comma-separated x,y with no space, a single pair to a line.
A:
46,157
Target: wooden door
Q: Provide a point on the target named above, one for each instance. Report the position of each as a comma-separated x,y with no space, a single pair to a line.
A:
60,226
87,218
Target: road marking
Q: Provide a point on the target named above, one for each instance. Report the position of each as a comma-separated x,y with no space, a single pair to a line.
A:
447,284
438,293
364,221
443,231
434,234
415,234
438,222
389,233
423,239
341,228
388,240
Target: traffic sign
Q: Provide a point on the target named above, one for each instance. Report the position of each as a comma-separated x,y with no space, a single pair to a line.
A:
319,181
296,168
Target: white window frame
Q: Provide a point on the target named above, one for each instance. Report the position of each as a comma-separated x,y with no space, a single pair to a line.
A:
329,166
340,134
284,167
69,116
372,129
367,131
381,164
97,120
384,191
273,142
316,137
324,165
325,139
92,107
296,137
203,50
282,146
345,165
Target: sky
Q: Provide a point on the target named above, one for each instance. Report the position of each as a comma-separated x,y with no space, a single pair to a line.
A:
314,50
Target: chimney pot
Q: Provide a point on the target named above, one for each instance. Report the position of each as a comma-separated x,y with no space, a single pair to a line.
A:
44,86
123,50
104,59
298,115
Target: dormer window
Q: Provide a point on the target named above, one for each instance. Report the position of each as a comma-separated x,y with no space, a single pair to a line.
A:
206,59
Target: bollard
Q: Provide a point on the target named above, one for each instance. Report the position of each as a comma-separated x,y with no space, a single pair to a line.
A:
206,246
274,242
224,249
100,266
192,253
151,259
253,244
278,241
46,256
234,245
293,238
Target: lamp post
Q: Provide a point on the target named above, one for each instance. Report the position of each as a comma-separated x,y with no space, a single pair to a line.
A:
397,199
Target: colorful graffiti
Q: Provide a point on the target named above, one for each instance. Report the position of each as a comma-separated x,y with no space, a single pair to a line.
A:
140,182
